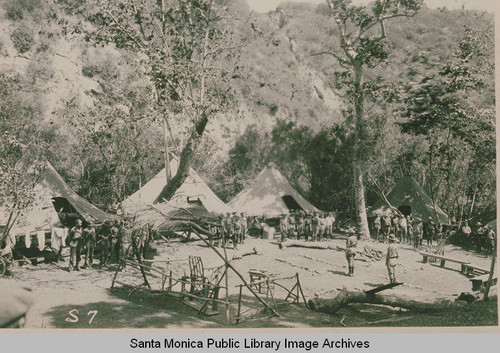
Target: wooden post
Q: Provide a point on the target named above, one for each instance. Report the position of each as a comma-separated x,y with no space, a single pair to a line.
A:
301,292
114,278
239,305
138,256
297,284
227,287
490,277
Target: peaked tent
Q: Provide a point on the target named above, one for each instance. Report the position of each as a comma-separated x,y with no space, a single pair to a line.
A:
193,192
42,215
270,194
408,194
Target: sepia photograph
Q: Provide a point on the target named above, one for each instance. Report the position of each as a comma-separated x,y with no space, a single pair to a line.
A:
247,164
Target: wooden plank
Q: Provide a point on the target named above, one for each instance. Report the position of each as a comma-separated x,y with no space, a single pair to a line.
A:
384,287
471,268
440,257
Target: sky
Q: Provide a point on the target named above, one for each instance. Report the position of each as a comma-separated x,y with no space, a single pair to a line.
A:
486,5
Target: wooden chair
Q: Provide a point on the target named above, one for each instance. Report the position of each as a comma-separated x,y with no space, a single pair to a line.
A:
202,285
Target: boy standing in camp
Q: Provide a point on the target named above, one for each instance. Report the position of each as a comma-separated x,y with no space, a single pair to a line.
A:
391,258
74,239
350,244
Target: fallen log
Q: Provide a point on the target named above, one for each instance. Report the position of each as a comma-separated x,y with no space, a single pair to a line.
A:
298,266
367,250
237,256
346,297
309,245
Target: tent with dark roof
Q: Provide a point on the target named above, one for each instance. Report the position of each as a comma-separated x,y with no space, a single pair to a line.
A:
409,197
193,193
52,194
270,194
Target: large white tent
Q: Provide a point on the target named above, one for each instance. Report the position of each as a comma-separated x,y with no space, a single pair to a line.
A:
193,191
270,194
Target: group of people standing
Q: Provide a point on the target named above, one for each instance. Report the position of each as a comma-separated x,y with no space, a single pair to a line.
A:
406,229
230,228
110,239
312,226
392,255
481,237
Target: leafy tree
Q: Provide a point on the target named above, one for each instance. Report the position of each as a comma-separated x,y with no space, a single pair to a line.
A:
359,43
21,147
453,108
185,47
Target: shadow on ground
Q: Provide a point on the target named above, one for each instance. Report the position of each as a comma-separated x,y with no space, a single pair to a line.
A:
136,309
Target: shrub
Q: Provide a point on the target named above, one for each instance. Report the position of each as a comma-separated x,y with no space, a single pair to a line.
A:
17,8
22,40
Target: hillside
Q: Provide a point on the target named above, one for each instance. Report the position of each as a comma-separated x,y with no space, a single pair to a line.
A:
281,79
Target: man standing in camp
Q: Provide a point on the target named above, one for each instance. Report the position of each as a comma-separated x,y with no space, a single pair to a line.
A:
466,232
417,233
307,226
391,258
243,227
236,227
377,226
315,226
89,240
395,226
492,241
409,229
115,241
299,224
74,239
386,227
403,226
103,243
350,244
284,227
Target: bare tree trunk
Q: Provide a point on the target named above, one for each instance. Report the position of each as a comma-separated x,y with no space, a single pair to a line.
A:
359,197
473,200
345,297
185,160
358,154
167,157
194,140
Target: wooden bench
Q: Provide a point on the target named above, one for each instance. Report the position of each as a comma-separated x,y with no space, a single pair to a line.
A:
443,260
480,281
470,269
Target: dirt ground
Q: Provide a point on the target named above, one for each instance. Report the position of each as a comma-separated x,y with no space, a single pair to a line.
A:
84,299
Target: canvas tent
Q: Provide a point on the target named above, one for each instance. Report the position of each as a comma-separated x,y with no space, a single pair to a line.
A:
53,193
270,194
409,197
192,193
